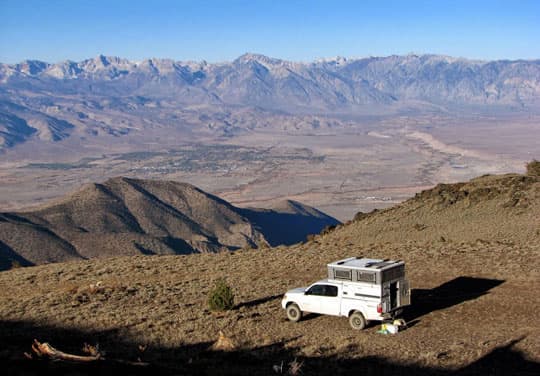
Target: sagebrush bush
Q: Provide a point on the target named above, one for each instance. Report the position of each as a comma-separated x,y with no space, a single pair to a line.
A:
533,168
221,297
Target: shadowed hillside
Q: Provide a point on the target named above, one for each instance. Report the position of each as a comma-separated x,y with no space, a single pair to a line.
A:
198,359
129,216
289,222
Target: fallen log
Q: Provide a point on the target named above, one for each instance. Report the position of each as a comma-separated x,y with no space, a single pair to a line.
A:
46,350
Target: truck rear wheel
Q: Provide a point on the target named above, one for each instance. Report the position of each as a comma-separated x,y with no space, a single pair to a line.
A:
357,320
293,313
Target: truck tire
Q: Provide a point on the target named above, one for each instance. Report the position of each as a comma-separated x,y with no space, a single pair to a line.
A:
293,312
357,320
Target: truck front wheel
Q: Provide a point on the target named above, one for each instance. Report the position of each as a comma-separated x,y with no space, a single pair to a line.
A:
357,320
293,313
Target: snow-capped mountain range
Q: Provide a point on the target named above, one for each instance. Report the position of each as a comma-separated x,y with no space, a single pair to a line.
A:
327,86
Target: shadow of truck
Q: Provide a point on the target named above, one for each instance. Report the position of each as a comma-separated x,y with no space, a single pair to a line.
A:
456,291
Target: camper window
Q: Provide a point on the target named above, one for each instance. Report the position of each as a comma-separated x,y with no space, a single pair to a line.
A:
394,273
366,277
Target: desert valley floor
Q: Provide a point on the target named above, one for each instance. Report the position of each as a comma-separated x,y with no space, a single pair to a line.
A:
340,169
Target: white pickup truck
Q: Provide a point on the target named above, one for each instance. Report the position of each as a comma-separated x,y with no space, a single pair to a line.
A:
361,289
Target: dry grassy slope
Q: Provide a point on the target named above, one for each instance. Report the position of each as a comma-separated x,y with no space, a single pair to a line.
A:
475,302
489,208
161,301
129,216
18,234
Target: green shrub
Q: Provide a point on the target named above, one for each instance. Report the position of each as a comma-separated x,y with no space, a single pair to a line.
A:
221,297
533,168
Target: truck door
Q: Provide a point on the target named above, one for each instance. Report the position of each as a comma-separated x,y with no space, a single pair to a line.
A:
393,295
331,301
404,293
311,303
322,298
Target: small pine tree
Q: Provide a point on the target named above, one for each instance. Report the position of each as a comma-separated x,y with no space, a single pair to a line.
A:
221,297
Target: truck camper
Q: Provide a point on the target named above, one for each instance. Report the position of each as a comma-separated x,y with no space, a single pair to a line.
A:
362,289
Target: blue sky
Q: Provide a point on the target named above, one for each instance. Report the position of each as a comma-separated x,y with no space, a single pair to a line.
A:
52,30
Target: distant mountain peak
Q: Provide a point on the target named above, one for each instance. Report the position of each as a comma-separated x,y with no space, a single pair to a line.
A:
32,67
337,60
263,59
103,60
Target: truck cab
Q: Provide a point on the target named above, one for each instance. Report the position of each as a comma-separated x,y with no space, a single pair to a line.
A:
362,289
322,297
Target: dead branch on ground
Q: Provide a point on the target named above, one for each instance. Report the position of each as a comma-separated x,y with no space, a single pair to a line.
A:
45,350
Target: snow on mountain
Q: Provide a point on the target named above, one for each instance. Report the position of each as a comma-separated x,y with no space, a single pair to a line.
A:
336,85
